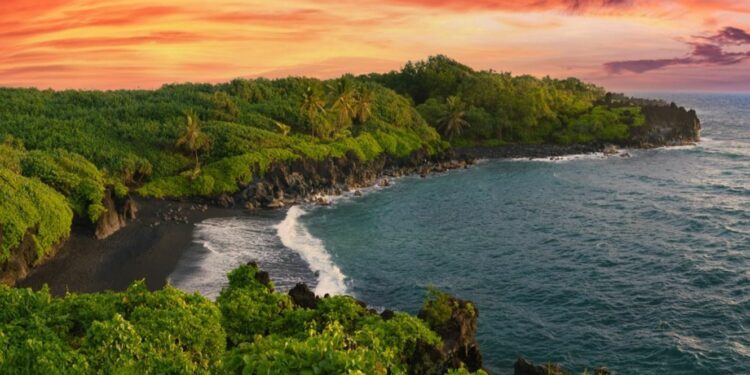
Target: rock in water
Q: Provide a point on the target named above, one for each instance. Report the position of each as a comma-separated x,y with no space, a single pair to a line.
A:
524,367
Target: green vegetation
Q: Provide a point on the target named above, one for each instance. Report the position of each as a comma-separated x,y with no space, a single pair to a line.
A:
250,329
185,140
28,205
193,140
490,108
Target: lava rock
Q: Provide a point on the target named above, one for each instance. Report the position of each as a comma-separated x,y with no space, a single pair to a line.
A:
303,297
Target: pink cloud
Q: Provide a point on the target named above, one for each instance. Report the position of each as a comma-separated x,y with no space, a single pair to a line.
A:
712,53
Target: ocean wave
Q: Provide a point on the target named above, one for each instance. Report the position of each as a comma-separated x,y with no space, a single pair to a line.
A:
295,236
223,244
590,156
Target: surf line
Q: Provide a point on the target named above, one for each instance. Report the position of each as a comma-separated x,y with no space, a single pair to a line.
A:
295,236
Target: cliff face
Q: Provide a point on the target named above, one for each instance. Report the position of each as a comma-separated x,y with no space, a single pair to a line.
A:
666,125
22,258
119,211
25,256
285,184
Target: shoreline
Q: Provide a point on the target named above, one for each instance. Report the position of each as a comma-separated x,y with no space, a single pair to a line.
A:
522,151
149,248
151,245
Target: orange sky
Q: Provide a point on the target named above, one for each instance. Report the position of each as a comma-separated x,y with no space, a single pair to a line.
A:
622,44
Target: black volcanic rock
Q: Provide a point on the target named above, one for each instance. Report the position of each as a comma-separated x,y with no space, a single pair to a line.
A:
117,215
458,333
263,277
387,314
666,125
524,367
302,296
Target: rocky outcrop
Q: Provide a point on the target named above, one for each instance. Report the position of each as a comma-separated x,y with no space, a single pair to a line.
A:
25,256
22,258
666,125
303,297
119,212
524,367
458,332
307,180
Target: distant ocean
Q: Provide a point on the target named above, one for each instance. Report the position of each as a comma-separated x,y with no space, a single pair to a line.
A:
641,264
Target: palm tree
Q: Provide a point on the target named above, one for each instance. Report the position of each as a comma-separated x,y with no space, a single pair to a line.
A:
312,107
192,139
342,103
453,122
363,104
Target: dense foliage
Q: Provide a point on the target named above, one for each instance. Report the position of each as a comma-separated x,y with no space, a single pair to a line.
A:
487,107
138,136
250,329
32,207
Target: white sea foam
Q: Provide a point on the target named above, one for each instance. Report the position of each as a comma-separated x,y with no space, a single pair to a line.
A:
574,157
228,242
295,236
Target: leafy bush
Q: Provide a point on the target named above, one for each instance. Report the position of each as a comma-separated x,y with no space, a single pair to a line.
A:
29,206
135,331
72,175
250,329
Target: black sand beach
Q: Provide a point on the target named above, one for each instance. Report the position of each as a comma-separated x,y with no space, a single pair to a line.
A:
148,248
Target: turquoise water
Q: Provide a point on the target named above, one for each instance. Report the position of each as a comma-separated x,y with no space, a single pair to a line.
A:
641,264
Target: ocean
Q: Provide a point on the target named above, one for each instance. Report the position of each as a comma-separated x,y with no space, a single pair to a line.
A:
639,263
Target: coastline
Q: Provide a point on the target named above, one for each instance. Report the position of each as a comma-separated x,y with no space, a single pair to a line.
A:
518,151
150,246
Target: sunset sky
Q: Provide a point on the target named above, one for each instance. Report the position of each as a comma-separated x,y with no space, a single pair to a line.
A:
686,45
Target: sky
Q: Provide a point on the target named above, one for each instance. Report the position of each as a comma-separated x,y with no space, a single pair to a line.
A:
624,45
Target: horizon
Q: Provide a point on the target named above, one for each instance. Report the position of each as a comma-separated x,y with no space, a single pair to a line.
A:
683,46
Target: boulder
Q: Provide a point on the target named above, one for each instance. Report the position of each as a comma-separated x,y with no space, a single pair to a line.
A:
524,367
387,314
263,277
303,297
276,203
